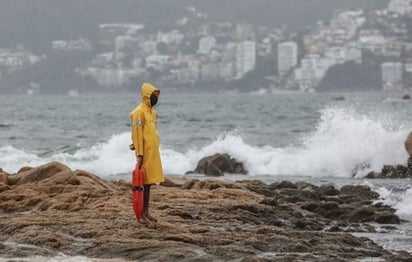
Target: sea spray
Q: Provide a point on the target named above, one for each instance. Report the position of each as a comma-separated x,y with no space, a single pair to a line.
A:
399,198
343,143
347,143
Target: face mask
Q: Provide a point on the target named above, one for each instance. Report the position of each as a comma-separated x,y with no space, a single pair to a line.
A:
153,100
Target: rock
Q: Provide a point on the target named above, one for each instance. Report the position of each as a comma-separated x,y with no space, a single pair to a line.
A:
56,210
330,210
358,192
364,214
189,184
387,218
208,184
282,184
306,186
257,186
4,187
398,171
3,178
408,144
40,173
172,183
338,98
294,195
328,190
24,169
219,164
311,206
409,163
372,175
406,97
388,171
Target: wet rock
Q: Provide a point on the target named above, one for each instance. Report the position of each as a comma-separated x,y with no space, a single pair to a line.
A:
365,214
172,183
301,185
388,171
312,206
219,164
338,98
328,190
294,195
396,171
387,218
408,144
208,184
330,209
282,184
78,213
257,186
358,192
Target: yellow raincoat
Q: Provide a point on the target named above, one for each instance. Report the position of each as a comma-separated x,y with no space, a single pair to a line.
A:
146,138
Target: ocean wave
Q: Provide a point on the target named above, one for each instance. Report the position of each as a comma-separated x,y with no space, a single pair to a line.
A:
400,199
342,144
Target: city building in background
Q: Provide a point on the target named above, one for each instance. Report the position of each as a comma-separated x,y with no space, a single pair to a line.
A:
245,58
400,6
287,57
392,76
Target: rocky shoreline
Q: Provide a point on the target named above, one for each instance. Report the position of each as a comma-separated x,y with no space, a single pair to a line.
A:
52,209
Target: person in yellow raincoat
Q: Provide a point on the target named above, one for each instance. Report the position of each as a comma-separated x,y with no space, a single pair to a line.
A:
145,139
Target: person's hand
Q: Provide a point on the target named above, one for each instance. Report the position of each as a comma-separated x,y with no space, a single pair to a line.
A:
131,147
139,160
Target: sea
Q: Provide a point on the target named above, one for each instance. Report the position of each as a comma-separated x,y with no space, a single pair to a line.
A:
320,138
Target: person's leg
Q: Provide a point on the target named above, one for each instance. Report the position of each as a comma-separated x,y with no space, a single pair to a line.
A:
146,202
144,219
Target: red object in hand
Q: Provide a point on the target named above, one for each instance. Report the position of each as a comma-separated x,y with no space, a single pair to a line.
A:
137,191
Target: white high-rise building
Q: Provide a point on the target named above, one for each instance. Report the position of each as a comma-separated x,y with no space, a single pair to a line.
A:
206,44
311,71
287,57
245,58
392,76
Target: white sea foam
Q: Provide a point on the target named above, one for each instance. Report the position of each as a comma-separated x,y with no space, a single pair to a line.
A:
342,144
400,200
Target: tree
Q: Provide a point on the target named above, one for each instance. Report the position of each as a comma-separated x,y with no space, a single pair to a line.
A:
352,76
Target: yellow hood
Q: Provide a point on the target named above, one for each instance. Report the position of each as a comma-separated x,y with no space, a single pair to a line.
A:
146,92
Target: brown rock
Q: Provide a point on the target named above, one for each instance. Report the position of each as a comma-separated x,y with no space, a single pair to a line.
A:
24,169
364,214
78,213
408,144
282,184
358,192
172,182
4,187
3,178
328,190
301,185
257,186
40,173
219,164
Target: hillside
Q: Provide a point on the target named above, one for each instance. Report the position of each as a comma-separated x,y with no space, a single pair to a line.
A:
35,23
